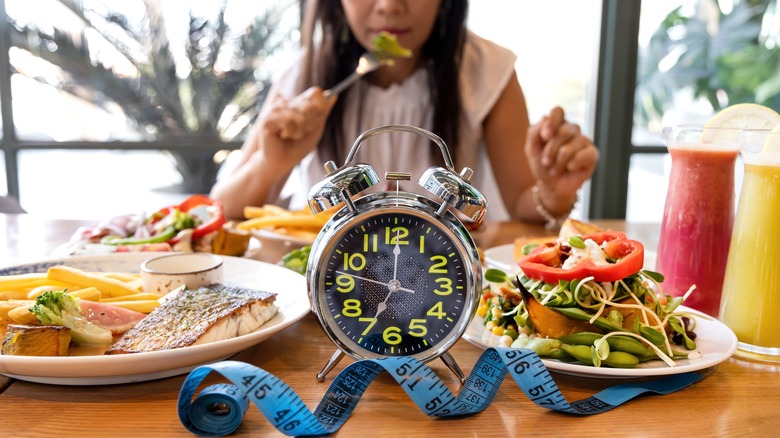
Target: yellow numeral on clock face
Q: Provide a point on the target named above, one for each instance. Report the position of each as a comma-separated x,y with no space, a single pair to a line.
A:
437,310
417,327
370,242
445,286
370,321
345,283
439,265
352,308
355,262
395,235
392,335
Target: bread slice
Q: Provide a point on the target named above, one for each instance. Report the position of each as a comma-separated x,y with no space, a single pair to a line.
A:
573,227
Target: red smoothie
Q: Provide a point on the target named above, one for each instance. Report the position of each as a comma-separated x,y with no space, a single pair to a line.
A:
697,222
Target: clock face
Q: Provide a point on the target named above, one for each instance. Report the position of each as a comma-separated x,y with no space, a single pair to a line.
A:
394,282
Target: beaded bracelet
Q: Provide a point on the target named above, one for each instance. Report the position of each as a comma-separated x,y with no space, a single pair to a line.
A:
553,223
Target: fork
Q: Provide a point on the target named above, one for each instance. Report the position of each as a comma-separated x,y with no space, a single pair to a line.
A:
367,63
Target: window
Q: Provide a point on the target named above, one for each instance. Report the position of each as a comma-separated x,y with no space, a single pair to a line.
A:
695,57
52,108
557,54
158,90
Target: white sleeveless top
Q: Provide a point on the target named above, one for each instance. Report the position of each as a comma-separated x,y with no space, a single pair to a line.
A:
486,69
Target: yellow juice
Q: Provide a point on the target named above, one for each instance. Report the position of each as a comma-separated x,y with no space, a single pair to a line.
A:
751,288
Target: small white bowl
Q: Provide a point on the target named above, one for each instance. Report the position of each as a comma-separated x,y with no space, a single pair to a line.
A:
273,246
162,274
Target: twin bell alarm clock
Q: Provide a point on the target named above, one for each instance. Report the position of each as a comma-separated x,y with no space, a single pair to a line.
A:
395,273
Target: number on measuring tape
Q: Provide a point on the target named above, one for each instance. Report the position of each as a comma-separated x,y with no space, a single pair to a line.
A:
282,407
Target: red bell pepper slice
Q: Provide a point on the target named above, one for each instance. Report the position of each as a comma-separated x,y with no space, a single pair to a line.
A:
214,222
216,219
545,261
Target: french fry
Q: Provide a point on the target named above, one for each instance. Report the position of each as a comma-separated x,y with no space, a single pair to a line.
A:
88,293
9,305
139,296
22,281
135,284
268,210
13,295
283,221
294,223
125,277
107,286
143,306
22,315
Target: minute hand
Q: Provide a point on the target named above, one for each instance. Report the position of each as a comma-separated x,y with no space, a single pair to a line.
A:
375,281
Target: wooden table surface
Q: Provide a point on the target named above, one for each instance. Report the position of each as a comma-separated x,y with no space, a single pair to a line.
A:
738,398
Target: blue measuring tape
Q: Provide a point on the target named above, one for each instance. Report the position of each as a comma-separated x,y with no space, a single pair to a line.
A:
219,409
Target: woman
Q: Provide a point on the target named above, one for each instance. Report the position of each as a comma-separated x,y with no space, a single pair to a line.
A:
456,84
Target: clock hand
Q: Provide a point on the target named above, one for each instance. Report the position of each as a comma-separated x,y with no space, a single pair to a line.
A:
381,307
389,286
396,252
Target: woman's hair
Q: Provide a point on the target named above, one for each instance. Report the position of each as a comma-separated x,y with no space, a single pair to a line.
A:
332,53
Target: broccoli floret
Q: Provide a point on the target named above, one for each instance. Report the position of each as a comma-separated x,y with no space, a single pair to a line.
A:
59,308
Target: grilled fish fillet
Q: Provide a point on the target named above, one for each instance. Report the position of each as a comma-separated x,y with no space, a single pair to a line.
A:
193,317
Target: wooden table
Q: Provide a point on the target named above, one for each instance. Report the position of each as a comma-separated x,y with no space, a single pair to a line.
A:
738,398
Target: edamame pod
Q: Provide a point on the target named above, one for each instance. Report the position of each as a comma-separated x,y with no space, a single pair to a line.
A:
540,346
560,355
617,343
620,359
581,338
615,359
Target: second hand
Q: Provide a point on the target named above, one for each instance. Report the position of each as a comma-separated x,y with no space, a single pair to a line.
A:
375,281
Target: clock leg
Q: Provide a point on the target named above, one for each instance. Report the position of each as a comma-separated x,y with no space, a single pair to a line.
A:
453,366
332,362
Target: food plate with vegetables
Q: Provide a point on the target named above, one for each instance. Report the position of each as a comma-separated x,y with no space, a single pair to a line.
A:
588,306
715,342
88,367
196,224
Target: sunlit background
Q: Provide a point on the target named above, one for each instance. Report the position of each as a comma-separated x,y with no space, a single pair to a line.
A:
60,93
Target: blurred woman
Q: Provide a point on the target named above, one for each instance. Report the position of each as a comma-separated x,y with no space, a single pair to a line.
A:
455,84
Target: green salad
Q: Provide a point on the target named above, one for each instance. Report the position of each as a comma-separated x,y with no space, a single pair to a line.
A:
600,309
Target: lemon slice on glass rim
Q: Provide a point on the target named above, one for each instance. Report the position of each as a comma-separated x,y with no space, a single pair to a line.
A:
737,117
772,142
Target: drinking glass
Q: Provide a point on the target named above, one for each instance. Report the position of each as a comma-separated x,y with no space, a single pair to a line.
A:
698,214
751,288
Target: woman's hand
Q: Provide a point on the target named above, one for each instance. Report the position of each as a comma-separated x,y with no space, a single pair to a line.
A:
561,158
285,133
290,129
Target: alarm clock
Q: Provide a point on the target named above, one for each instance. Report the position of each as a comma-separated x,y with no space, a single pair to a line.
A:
395,273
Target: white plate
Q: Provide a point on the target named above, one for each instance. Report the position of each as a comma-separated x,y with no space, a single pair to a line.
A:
291,299
82,248
714,341
502,257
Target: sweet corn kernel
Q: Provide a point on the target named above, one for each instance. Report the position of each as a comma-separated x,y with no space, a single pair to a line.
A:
498,330
482,310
